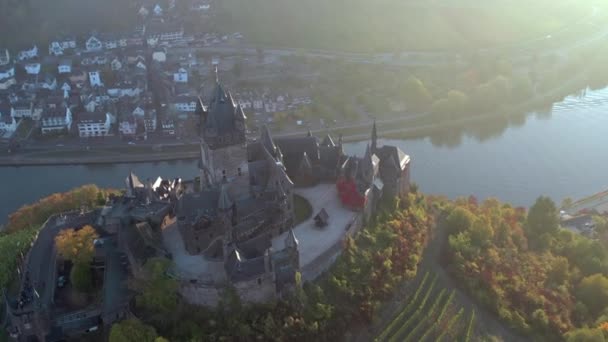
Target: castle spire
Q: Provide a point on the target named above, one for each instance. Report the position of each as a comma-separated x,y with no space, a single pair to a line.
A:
291,241
374,138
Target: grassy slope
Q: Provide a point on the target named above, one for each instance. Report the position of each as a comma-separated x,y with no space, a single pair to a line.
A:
396,24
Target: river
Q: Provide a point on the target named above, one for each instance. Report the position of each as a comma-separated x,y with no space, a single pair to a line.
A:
561,153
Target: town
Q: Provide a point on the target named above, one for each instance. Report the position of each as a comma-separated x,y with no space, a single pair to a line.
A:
119,89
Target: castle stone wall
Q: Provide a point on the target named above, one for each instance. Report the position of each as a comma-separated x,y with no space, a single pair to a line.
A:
258,290
323,262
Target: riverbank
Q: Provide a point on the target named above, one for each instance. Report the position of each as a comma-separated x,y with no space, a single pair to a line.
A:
406,127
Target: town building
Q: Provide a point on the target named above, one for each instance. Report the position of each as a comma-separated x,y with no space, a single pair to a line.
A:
22,109
56,120
5,57
58,47
64,66
7,122
95,124
28,54
93,44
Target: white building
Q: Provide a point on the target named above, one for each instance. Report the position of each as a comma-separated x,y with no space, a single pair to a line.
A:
56,120
93,44
128,127
22,109
113,43
49,82
115,64
58,47
185,104
5,57
181,76
95,79
159,55
158,11
96,124
7,83
7,72
28,54
65,66
7,122
32,68
121,89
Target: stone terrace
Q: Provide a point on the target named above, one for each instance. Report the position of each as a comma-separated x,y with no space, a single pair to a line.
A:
314,242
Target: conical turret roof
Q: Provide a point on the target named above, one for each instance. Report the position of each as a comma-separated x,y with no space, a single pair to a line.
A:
291,241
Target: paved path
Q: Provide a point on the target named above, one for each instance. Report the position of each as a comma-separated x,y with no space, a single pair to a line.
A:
314,241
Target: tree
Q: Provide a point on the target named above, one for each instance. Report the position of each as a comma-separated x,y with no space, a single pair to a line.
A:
158,292
416,95
77,245
585,335
132,330
593,292
542,219
566,203
460,219
80,276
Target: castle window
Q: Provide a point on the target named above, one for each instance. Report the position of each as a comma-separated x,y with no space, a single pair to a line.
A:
223,172
239,171
198,249
260,281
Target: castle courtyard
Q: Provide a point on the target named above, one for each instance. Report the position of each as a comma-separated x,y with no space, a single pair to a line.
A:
315,241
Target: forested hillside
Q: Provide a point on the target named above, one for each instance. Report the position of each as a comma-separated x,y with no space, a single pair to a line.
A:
393,25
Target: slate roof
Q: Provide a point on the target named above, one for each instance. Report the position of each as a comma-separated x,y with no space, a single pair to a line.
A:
192,205
327,141
222,112
240,269
293,149
388,151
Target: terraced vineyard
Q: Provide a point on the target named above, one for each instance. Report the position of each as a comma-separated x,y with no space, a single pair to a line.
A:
429,315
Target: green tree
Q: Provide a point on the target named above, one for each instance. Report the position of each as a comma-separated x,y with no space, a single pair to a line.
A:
542,220
158,292
132,330
585,335
593,292
416,95
460,219
81,277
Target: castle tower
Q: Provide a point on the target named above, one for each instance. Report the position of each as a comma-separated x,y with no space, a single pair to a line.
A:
367,166
374,138
223,144
225,211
